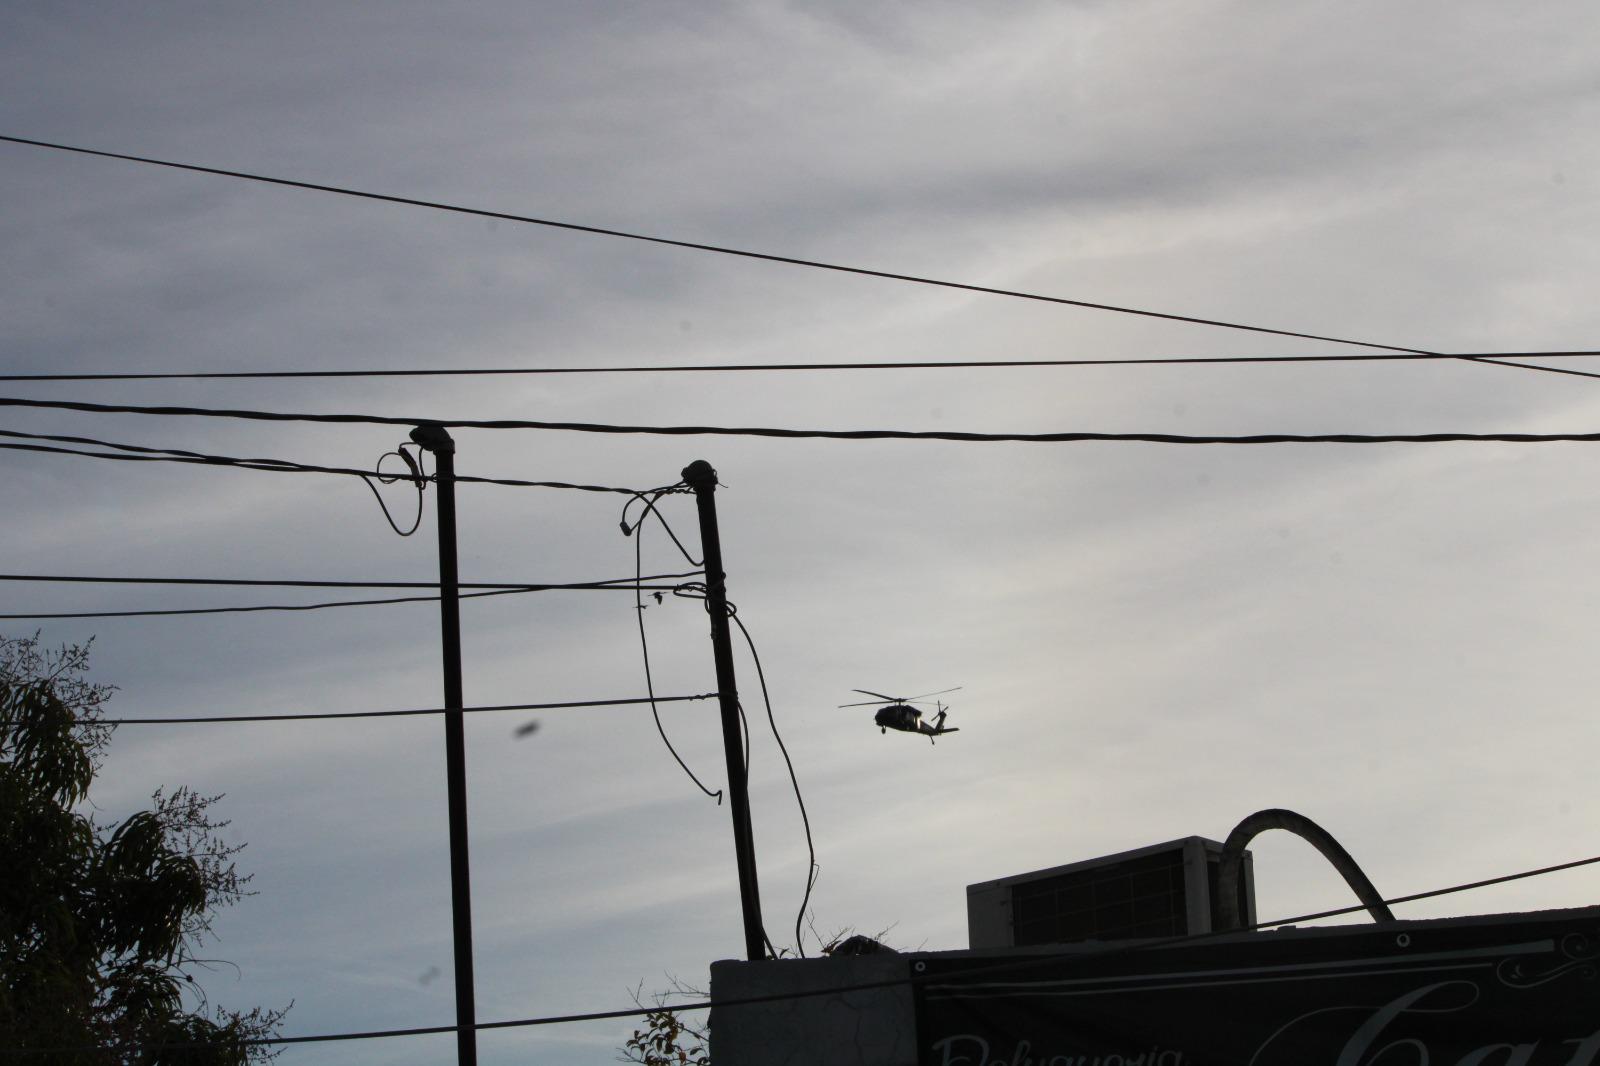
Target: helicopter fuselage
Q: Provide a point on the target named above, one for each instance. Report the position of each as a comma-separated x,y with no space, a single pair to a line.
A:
908,719
899,716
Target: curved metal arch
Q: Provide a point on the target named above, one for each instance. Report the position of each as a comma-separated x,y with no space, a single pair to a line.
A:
1228,916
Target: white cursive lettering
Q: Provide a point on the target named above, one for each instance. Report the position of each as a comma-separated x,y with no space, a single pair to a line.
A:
1584,1053
1354,1053
947,1045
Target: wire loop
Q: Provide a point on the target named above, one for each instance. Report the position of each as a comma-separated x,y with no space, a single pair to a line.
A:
416,477
636,531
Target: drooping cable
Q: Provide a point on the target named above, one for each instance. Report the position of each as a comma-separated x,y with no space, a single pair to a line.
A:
769,257
651,499
651,508
610,584
805,820
1011,965
820,434
264,607
744,733
694,590
416,478
691,589
637,533
697,246
744,769
748,368
252,608
331,715
139,453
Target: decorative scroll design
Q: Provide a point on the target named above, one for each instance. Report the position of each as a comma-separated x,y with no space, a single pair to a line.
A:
1577,953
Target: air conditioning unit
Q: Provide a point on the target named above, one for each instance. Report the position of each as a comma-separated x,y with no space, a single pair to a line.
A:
1163,890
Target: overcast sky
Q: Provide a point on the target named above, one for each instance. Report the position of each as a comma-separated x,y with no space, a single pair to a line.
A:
1153,640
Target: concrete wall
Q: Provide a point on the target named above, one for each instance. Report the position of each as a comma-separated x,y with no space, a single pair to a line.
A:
869,1026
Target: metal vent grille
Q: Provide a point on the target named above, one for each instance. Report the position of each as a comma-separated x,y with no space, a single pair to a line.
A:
1157,891
1142,897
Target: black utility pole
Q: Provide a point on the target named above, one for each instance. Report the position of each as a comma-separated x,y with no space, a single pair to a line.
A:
438,441
703,480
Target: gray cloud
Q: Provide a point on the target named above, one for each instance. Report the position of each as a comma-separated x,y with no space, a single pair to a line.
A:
1153,641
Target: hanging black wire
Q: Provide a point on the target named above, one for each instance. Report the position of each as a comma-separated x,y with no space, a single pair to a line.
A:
262,607
1084,957
694,590
636,531
141,454
749,368
805,820
610,584
253,608
416,477
696,246
408,713
769,257
1066,437
651,498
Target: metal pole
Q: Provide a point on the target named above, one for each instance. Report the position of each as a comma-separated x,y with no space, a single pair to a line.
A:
703,480
438,441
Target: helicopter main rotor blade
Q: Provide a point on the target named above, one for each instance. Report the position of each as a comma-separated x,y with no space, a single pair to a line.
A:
869,703
925,695
881,696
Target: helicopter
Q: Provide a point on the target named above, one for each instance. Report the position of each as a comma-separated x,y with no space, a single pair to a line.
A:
897,712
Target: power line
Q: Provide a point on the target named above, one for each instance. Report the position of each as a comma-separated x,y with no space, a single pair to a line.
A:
1082,957
817,434
692,245
636,531
812,868
396,714
140,453
1032,960
712,368
1535,366
254,608
617,584
769,257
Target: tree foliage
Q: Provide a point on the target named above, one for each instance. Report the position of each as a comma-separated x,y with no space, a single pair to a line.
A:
667,1038
100,922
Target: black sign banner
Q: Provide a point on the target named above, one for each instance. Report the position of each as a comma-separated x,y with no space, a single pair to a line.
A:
1506,990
